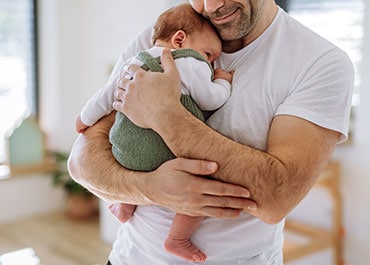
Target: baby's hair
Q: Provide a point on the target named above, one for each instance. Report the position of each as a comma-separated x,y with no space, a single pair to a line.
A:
180,17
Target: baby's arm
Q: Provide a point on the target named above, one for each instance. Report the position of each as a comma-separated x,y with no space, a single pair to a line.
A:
100,104
208,94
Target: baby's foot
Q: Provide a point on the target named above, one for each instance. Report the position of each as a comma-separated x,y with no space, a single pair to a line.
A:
185,249
123,212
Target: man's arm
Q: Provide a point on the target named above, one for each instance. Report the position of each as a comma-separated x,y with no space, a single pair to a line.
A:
91,156
278,179
173,185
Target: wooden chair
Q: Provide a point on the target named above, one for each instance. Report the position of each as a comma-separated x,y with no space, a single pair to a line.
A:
319,239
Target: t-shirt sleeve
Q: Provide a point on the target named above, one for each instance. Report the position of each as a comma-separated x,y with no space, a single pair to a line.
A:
323,93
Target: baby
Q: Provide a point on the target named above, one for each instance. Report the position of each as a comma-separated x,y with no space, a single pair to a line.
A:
195,45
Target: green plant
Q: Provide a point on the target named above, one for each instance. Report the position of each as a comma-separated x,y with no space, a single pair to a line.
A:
62,178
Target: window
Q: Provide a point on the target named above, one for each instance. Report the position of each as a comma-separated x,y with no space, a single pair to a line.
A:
18,78
339,21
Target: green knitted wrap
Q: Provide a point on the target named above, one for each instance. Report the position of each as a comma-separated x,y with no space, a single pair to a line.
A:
143,149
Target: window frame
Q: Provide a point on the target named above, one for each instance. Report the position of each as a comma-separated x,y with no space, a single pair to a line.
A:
35,106
34,77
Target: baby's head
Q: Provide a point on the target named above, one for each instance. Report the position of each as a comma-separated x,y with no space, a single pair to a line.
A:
182,27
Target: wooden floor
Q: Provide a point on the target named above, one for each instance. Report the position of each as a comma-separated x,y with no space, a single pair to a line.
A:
57,240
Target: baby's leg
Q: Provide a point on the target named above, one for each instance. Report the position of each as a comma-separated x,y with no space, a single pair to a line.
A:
178,241
122,211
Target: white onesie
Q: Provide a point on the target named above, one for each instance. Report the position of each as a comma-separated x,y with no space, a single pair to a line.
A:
196,81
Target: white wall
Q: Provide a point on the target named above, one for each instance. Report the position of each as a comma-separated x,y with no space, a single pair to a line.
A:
27,196
80,39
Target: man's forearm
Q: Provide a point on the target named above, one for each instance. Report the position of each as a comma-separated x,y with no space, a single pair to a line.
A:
276,179
238,164
91,163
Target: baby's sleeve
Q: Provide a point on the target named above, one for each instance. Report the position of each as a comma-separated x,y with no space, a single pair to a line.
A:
100,104
207,93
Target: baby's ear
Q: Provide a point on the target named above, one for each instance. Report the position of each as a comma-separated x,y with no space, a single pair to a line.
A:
178,39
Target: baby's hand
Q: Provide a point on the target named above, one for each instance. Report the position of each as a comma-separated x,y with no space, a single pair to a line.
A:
222,74
80,126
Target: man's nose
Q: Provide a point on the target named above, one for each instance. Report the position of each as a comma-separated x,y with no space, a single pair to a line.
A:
212,5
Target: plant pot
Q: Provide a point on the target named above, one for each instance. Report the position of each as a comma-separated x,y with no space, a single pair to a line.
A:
82,207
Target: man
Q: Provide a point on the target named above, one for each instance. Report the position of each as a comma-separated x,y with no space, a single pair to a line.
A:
264,148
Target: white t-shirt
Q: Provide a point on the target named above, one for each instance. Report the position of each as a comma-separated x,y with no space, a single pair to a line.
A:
288,70
196,81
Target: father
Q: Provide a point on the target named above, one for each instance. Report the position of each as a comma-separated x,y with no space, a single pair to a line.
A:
264,148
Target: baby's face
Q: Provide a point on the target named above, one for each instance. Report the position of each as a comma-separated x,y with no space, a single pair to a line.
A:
206,42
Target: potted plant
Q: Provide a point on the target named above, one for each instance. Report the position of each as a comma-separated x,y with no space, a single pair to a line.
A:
81,203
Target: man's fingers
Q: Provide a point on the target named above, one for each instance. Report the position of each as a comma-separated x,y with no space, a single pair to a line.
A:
223,200
117,105
169,66
227,207
196,167
119,93
167,61
122,84
131,71
210,187
217,188
225,213
231,202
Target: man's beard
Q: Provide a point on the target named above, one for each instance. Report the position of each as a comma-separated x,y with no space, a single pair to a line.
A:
235,29
239,27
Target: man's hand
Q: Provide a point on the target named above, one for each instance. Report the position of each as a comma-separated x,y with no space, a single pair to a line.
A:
142,95
176,185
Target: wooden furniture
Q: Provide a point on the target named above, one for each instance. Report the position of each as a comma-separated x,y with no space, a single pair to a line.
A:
318,239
